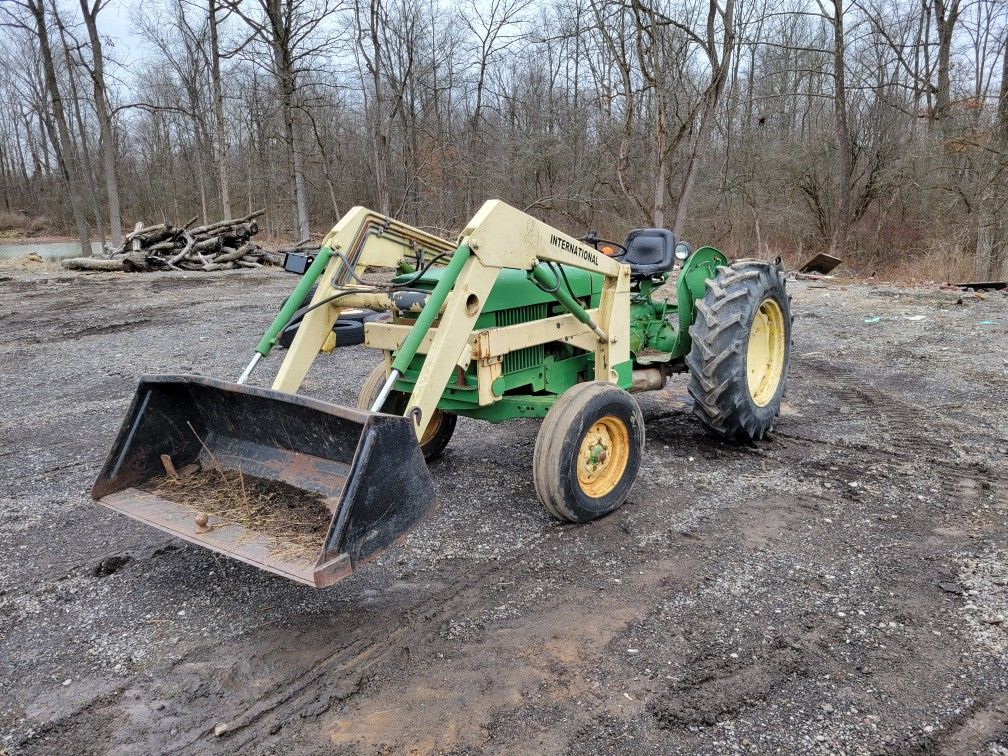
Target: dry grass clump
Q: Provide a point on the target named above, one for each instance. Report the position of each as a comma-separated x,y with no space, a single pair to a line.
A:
294,520
18,225
30,261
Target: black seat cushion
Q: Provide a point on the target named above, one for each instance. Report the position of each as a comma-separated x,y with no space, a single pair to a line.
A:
649,251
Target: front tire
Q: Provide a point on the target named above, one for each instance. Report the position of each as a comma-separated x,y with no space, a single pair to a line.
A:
741,350
440,428
588,451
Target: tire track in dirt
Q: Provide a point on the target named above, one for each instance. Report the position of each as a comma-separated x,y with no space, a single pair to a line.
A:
268,708
278,696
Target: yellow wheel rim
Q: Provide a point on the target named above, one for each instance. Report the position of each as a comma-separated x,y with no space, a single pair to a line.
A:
432,428
603,456
765,354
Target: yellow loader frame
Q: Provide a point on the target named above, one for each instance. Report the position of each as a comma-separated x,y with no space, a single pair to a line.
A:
498,236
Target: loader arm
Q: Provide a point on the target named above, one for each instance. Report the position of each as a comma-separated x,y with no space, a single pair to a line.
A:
364,238
502,236
499,236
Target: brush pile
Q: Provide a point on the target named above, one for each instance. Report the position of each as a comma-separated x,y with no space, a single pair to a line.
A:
223,245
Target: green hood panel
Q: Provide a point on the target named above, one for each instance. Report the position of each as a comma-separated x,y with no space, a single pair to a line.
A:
513,289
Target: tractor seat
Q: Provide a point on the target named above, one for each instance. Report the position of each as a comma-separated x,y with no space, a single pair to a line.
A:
650,251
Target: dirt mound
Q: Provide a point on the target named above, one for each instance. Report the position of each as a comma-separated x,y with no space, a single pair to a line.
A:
29,261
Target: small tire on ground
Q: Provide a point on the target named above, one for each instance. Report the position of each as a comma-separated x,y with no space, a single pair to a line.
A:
287,334
719,381
439,430
346,335
348,332
370,388
286,337
572,482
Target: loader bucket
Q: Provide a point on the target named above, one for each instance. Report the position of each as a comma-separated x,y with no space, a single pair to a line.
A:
296,486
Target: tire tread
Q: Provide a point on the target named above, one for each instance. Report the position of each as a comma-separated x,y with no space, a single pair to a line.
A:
717,357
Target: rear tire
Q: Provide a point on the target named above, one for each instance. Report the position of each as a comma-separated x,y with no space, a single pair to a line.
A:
741,350
439,429
588,451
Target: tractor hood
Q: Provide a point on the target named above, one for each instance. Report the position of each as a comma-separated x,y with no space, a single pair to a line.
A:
513,289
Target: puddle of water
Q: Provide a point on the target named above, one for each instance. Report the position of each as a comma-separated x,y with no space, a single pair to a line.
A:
50,251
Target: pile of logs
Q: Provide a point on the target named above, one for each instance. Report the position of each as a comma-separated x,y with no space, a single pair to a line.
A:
222,245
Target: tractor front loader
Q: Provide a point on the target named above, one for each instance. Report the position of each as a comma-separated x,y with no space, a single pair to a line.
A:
515,319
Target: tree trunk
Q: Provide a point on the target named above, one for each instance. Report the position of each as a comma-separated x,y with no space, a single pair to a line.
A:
946,17
106,131
843,167
284,71
4,188
712,96
83,152
201,180
661,165
703,134
300,189
1003,97
64,155
218,107
999,261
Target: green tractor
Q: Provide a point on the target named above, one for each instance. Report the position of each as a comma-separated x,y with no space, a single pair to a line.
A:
515,319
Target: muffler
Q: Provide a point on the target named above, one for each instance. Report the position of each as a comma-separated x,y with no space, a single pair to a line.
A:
296,486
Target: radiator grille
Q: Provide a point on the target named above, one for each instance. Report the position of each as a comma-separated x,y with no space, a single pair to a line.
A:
529,356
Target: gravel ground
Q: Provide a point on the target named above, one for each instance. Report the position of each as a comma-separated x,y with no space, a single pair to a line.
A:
840,588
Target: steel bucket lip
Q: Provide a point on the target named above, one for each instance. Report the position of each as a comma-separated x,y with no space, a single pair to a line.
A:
364,417
230,540
331,408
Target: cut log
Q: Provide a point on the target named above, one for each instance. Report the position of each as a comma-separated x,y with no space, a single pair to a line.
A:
236,254
212,227
136,262
91,263
213,244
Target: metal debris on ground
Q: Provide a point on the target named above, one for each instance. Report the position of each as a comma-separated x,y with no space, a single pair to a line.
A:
820,263
982,285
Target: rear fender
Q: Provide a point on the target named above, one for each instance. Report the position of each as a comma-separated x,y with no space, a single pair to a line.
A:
691,286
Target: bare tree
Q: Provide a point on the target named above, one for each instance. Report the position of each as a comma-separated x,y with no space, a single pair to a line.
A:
843,158
56,117
873,127
106,129
218,108
290,29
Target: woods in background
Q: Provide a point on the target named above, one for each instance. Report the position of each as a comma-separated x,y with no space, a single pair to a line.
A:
874,129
